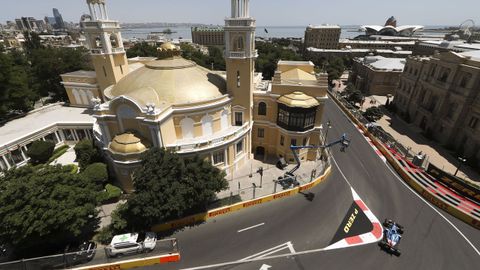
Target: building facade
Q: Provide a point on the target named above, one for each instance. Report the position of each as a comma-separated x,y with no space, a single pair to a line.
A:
439,94
376,75
322,36
171,102
208,36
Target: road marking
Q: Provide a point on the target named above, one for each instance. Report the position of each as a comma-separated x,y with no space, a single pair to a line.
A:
251,227
270,251
265,267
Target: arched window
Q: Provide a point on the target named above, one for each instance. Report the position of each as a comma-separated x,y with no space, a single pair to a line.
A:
187,128
207,125
262,108
238,44
126,112
224,120
114,41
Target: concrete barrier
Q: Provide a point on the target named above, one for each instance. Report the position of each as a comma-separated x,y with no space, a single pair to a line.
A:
190,220
128,264
467,218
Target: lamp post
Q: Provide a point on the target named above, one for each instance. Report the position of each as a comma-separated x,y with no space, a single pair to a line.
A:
462,160
329,126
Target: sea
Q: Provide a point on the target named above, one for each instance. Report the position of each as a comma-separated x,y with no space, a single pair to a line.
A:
184,32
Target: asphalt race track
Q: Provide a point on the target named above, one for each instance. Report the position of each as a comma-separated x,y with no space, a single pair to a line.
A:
296,224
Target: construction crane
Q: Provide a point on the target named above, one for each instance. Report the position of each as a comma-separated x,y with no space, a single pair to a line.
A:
289,178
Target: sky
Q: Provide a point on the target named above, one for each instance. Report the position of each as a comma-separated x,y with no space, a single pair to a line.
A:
266,12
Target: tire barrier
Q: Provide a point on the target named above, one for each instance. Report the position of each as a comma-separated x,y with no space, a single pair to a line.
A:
470,215
190,220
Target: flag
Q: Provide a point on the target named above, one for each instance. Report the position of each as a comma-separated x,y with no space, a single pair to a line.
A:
266,31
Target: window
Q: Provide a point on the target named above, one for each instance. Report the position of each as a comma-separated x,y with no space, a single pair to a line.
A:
473,122
465,79
3,165
121,69
238,78
293,142
68,135
17,156
104,71
451,110
282,140
238,119
444,76
218,157
262,108
207,125
296,119
261,133
239,147
187,128
224,120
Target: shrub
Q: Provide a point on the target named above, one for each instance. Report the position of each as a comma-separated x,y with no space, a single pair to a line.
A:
373,114
40,151
110,195
104,236
96,173
86,153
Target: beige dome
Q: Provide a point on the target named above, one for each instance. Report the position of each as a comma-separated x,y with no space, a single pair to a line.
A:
167,46
170,81
127,143
299,100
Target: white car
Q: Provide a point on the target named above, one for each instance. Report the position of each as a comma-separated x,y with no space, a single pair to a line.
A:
131,243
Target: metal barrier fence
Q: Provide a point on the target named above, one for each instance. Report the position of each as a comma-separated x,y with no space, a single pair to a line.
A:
77,259
377,131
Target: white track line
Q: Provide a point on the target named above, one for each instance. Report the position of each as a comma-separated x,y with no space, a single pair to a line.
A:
267,251
251,227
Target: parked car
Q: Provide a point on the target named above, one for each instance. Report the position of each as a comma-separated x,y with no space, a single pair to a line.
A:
131,243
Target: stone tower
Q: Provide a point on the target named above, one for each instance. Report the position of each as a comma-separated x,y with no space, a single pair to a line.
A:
240,57
104,40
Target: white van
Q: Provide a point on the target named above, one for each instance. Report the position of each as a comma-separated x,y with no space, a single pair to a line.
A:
131,243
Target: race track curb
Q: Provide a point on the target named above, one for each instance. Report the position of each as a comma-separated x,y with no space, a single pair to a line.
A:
198,218
133,263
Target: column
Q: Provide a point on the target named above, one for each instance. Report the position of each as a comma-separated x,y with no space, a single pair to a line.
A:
6,162
91,11
233,8
105,10
23,153
59,140
154,136
107,47
94,13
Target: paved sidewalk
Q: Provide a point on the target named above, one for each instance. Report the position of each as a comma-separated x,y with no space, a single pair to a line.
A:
240,183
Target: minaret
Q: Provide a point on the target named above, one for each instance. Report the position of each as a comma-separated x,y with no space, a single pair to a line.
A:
104,40
240,57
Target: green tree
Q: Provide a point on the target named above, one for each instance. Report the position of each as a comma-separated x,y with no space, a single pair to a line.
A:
168,187
269,53
142,49
373,114
49,63
335,69
355,96
86,153
44,208
40,151
32,41
16,95
96,173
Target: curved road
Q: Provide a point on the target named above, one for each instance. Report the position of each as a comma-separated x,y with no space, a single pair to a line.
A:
430,241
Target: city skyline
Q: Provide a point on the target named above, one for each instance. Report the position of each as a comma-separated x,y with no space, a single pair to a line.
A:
268,13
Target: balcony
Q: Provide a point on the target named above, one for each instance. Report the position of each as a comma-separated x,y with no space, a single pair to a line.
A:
101,24
96,51
242,55
240,22
223,137
118,50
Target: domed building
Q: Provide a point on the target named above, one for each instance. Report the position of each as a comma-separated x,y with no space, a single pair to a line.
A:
173,103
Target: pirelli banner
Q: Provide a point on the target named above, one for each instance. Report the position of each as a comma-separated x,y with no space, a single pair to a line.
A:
190,220
454,183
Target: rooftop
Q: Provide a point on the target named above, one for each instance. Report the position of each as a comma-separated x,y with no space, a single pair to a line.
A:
82,73
381,63
40,119
324,26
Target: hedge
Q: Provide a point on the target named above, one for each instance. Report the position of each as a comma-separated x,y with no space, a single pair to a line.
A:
110,195
97,173
40,151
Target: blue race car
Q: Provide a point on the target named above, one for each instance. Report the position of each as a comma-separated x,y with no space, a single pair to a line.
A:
392,234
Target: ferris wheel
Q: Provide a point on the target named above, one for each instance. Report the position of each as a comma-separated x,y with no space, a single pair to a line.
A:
466,28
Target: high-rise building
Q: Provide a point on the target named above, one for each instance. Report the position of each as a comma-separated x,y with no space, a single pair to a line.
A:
208,36
58,19
322,36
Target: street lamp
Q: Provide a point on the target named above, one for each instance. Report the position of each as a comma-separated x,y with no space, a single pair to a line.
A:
329,126
462,160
